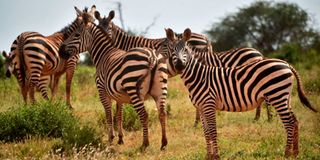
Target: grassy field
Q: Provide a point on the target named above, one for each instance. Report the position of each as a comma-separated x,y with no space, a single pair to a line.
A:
239,136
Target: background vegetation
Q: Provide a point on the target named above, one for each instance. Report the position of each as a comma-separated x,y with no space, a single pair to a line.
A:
48,130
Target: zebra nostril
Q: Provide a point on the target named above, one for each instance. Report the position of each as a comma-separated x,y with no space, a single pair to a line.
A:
179,65
8,74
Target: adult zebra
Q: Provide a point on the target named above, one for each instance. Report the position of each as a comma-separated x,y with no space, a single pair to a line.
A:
233,89
126,77
44,81
35,55
199,43
47,81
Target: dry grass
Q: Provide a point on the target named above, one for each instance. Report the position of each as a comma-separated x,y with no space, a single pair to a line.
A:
239,137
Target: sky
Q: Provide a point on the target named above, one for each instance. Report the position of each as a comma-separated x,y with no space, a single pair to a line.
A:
49,16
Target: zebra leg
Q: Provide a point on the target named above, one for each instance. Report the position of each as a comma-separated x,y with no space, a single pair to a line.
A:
43,86
118,117
290,124
106,102
196,121
208,117
69,76
269,114
159,94
295,136
143,115
55,86
24,92
258,112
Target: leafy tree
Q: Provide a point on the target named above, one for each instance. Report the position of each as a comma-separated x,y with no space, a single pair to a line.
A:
264,25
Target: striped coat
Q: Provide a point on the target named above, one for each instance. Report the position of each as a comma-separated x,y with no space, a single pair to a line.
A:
123,76
238,89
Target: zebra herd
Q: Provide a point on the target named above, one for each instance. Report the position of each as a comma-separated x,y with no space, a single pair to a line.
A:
129,69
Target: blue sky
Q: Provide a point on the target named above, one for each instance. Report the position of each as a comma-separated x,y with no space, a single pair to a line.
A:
49,16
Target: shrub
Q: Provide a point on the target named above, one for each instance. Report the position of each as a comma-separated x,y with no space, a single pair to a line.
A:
130,118
43,119
46,120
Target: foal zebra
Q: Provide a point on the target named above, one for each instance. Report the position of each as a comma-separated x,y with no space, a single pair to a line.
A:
237,89
35,55
123,76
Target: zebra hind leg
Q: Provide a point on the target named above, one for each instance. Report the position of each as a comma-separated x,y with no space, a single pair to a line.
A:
290,124
143,115
118,119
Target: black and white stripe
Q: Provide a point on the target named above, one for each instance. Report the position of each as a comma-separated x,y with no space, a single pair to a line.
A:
124,76
238,89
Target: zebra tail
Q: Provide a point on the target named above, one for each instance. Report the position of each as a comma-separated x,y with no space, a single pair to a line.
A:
21,41
303,99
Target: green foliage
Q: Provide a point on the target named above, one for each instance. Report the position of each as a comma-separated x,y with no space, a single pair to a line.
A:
130,118
2,67
131,121
295,55
264,25
46,120
43,119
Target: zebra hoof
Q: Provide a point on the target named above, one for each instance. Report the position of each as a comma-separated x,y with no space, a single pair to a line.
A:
212,157
120,142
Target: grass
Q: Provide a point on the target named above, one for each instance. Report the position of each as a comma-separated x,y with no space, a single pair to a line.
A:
239,137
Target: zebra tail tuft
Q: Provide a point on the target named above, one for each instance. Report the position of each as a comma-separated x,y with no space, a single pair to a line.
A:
303,98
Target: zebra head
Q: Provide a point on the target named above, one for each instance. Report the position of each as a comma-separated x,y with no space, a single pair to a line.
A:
178,49
9,66
79,40
106,22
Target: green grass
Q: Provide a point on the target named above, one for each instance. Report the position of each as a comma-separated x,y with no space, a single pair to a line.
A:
239,137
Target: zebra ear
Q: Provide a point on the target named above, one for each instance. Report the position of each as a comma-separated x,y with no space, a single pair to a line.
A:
170,34
4,53
97,15
111,15
92,10
79,12
186,34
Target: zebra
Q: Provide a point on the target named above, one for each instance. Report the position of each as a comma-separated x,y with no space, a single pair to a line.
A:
44,81
233,89
124,76
35,55
200,44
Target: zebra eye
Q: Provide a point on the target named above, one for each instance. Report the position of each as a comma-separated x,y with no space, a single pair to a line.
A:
77,34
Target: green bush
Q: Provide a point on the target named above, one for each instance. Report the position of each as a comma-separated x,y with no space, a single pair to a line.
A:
130,118
43,119
46,120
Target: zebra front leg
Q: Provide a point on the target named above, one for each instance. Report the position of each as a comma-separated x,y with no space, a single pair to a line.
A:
119,122
55,86
208,117
269,114
69,77
258,113
107,104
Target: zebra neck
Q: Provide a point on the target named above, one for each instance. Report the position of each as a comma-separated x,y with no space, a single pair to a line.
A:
125,41
64,33
191,71
101,45
207,57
